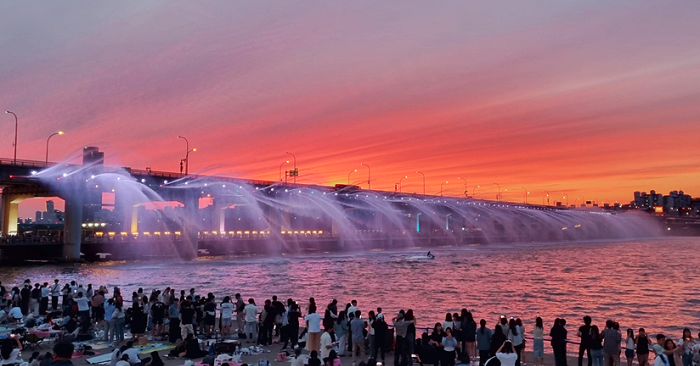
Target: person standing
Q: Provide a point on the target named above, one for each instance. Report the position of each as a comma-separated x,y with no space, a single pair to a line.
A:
44,302
483,342
226,316
357,327
449,345
538,342
240,313
340,329
326,343
186,318
35,299
584,332
596,347
313,327
611,344
517,339
251,321
108,321
558,335
401,329
174,315
380,329
689,345
55,293
642,348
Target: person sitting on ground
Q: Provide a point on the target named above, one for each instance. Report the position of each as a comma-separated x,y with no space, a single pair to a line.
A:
9,351
156,360
34,360
62,354
333,359
313,359
46,359
124,361
192,349
133,354
297,360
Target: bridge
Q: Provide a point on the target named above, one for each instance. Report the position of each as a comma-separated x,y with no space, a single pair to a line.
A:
286,221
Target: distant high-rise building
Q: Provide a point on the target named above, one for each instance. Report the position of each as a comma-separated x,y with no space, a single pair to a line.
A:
50,206
37,217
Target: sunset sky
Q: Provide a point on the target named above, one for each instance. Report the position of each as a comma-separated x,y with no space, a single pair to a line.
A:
592,98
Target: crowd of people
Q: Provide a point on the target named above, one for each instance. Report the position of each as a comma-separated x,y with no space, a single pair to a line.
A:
328,332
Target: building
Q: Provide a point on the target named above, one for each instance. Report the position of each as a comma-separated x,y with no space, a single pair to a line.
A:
677,203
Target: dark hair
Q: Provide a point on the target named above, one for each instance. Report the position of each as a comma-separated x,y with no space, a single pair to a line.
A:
435,328
630,332
507,347
63,350
660,336
332,355
513,327
609,324
587,320
538,323
483,325
357,313
341,316
6,348
313,354
409,315
595,333
470,317
156,360
448,317
673,344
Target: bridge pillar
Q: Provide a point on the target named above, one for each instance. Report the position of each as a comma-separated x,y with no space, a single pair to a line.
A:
219,214
73,221
191,222
10,208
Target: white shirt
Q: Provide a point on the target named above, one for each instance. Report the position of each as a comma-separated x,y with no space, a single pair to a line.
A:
116,355
326,341
313,322
251,311
13,357
507,359
82,303
516,339
16,313
122,363
133,355
56,290
352,310
227,310
45,292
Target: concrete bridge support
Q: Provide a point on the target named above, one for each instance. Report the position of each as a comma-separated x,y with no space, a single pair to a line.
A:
10,209
72,237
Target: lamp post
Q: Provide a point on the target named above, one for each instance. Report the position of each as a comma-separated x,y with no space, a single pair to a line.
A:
295,166
187,160
547,198
526,193
498,197
441,187
466,190
369,176
15,159
566,195
400,186
583,199
187,149
352,171
423,181
286,162
47,145
474,189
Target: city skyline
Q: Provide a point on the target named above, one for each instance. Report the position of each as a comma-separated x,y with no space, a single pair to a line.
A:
588,99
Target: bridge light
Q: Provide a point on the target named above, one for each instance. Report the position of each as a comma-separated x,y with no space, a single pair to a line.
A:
143,180
33,172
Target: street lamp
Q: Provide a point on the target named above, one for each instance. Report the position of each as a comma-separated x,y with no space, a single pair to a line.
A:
441,187
187,160
15,159
187,149
423,181
352,171
473,190
369,172
47,145
566,195
286,162
466,190
547,198
400,187
498,197
526,193
583,199
295,166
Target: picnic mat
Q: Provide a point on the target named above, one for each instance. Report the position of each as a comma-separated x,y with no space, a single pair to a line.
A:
78,355
148,348
100,359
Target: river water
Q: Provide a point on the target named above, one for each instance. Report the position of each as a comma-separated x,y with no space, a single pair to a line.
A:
649,283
